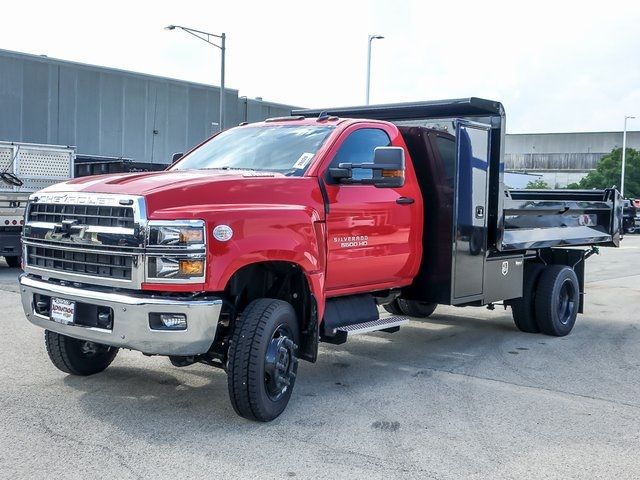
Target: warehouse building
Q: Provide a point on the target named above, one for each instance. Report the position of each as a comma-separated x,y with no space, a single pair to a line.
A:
110,112
562,158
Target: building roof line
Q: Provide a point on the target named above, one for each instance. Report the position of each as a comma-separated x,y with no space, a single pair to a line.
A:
50,60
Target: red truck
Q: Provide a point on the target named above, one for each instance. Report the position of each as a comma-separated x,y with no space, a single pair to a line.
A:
270,238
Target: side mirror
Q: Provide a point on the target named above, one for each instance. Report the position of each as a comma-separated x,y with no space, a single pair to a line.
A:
176,156
388,167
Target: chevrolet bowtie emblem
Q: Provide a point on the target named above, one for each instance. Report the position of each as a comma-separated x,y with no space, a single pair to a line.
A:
66,228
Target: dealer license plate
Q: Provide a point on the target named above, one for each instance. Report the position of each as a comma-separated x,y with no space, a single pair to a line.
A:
62,311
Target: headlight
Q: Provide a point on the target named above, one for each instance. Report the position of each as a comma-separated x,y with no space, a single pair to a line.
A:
176,251
176,234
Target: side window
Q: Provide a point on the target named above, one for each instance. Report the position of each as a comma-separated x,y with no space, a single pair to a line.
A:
358,147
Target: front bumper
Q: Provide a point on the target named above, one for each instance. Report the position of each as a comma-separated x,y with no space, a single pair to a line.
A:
130,318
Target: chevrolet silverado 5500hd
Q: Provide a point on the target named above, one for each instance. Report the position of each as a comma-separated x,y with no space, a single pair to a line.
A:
271,237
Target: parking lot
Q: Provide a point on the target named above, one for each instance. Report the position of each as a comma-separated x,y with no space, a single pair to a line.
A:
463,395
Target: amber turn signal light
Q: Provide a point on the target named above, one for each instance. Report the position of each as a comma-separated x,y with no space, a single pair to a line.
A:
192,268
392,173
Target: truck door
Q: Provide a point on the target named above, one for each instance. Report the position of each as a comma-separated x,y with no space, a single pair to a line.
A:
470,208
373,232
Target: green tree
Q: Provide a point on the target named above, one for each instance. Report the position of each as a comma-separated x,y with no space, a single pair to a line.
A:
607,173
538,184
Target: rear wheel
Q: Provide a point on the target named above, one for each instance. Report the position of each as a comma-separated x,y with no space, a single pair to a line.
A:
524,309
557,300
393,308
263,364
78,357
417,309
13,262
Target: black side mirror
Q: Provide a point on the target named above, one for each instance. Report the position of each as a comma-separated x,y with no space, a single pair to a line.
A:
176,156
388,167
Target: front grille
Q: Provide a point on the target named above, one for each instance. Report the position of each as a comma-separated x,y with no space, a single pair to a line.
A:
117,267
95,215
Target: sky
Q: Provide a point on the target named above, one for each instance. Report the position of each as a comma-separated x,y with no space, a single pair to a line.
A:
557,66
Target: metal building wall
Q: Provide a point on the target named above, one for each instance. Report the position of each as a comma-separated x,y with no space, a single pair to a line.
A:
562,158
111,112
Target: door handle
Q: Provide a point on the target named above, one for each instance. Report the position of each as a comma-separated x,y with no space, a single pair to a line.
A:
404,200
479,211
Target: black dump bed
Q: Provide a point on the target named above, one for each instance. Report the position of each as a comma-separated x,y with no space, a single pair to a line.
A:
87,165
550,218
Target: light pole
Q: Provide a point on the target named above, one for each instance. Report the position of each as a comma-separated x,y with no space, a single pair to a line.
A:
624,152
206,37
371,39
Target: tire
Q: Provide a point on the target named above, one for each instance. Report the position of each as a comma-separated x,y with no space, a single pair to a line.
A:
413,308
263,365
557,300
78,357
393,308
13,262
524,309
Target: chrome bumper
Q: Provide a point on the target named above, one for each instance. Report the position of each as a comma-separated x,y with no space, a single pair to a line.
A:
130,318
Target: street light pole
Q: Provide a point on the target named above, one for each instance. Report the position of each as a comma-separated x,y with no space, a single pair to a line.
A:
624,152
206,37
371,39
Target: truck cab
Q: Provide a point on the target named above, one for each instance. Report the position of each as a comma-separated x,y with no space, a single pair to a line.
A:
269,238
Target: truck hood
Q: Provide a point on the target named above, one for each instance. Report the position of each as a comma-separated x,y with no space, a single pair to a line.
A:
190,190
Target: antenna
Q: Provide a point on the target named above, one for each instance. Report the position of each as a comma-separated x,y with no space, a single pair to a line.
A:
324,115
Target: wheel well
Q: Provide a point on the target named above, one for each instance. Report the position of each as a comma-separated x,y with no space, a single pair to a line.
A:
284,281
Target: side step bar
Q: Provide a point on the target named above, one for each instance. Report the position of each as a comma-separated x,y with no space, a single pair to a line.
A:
387,324
390,324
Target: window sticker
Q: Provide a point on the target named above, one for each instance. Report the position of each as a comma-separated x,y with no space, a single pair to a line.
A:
303,161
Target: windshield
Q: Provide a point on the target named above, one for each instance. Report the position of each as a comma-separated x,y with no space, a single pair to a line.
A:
287,149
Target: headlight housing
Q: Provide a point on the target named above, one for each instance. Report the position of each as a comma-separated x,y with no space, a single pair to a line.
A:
176,234
176,251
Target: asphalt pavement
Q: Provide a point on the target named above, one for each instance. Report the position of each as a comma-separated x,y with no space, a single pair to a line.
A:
462,395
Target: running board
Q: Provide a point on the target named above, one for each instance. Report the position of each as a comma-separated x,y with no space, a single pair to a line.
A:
387,324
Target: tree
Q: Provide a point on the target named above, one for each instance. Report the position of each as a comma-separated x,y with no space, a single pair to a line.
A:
608,170
538,184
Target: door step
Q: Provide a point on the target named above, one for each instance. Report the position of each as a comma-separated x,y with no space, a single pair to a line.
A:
387,324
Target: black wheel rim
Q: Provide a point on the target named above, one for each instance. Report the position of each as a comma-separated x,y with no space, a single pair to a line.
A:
280,363
91,349
566,302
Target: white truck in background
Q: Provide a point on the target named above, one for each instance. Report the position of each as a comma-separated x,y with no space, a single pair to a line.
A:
26,168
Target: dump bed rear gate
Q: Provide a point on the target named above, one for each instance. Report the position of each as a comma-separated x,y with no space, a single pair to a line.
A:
535,219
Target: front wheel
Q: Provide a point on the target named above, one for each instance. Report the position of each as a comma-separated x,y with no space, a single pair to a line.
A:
263,364
78,357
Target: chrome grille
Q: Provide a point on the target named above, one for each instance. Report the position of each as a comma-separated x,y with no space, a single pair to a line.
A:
117,267
86,237
93,215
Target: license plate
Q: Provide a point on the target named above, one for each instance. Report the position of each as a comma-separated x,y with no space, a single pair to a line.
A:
63,311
